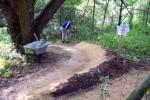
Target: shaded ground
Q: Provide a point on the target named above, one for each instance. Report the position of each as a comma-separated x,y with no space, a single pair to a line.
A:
71,69
119,89
113,68
19,72
79,59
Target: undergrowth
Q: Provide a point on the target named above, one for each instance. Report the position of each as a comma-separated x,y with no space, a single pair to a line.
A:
4,37
8,55
136,44
135,48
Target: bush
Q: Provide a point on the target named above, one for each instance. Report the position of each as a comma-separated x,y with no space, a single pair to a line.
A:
136,43
4,37
5,67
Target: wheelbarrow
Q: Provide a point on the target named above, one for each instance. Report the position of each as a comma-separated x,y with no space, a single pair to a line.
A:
36,48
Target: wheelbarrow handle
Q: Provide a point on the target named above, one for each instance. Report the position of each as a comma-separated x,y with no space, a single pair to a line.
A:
36,37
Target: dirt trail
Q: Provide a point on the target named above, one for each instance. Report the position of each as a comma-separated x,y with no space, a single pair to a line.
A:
119,89
80,58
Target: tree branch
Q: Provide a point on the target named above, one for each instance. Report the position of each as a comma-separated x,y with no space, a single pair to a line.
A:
0,4
34,1
47,13
125,6
141,10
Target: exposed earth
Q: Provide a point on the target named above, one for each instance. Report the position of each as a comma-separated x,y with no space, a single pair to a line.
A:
74,69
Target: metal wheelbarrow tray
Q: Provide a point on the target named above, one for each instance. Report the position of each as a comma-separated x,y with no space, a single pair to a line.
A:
36,47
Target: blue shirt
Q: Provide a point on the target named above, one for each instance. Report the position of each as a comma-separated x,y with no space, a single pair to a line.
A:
66,25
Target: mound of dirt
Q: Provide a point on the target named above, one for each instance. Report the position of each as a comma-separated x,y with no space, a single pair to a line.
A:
96,55
112,68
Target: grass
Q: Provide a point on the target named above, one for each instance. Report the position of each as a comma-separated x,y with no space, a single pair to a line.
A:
137,43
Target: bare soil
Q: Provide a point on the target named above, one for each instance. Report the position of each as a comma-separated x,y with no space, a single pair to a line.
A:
61,64
119,89
71,69
113,68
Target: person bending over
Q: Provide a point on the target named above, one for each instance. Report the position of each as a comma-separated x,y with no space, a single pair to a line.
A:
65,31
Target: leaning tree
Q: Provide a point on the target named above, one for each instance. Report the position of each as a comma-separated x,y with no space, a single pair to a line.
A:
21,20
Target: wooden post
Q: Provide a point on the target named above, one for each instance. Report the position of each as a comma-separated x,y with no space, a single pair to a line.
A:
121,42
140,91
122,31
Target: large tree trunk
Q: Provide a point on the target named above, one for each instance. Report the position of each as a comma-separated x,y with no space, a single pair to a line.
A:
22,10
13,22
19,21
20,18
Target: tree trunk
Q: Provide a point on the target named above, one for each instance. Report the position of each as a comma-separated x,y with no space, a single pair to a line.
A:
20,18
22,10
60,16
140,91
120,14
112,20
146,13
19,21
13,22
85,10
93,18
107,3
131,18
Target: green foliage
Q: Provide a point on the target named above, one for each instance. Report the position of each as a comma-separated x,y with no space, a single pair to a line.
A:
39,5
136,44
4,63
72,2
108,40
66,12
7,74
4,37
5,67
9,58
7,49
131,2
8,52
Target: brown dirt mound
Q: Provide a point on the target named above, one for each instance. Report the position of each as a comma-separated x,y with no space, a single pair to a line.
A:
113,68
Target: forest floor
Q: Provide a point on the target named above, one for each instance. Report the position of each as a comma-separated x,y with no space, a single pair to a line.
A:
73,69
